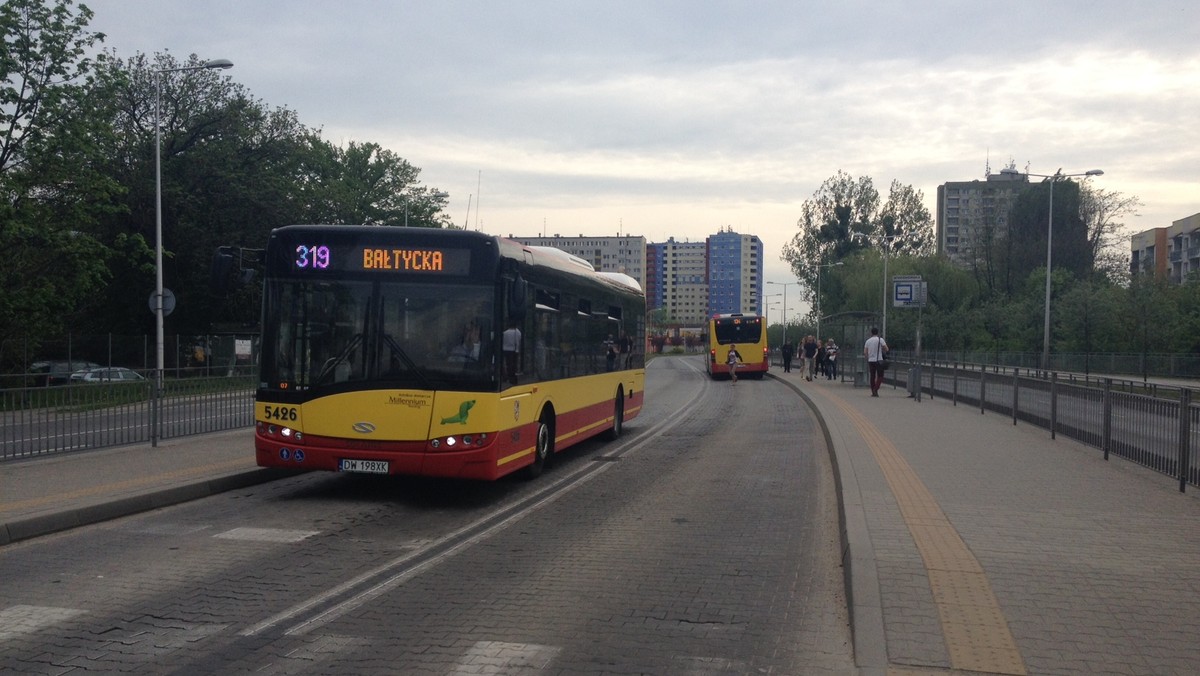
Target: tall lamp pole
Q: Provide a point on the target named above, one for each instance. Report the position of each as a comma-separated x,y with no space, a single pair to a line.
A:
767,307
158,249
1053,178
819,269
785,285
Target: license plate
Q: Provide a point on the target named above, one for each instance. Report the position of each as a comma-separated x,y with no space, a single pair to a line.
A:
365,466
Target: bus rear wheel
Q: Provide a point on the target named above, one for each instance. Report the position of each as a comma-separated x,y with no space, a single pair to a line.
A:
542,449
613,433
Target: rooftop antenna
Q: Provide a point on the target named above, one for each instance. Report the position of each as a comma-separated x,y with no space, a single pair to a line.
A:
987,163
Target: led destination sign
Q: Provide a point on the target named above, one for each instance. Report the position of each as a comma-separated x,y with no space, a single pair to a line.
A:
431,260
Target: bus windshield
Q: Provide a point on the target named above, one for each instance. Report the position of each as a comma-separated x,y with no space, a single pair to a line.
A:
322,334
737,331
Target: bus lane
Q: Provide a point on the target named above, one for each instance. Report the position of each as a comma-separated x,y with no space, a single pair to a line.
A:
691,543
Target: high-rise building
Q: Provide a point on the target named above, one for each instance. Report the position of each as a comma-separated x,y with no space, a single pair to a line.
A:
734,273
972,214
626,254
681,290
1171,253
687,280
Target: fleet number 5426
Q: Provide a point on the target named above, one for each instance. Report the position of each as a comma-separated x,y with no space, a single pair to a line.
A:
281,413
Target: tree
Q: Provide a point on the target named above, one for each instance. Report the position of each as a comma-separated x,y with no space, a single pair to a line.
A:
50,128
1085,316
368,184
905,218
229,171
1027,227
1103,213
844,205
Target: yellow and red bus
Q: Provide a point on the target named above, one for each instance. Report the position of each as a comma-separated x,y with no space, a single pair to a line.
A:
423,351
749,333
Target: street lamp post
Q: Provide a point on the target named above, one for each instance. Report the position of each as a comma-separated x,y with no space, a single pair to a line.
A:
767,307
1054,178
819,268
158,249
785,285
880,241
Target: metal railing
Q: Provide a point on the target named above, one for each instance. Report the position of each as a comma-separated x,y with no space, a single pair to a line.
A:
38,421
1152,424
1155,425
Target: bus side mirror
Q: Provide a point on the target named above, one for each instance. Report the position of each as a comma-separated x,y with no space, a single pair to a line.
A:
518,294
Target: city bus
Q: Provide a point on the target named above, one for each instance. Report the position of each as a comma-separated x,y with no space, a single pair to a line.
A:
749,333
449,353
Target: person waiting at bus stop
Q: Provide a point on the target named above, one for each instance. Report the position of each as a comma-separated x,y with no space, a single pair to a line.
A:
831,353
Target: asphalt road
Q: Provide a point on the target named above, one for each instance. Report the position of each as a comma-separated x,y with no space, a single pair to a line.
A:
704,541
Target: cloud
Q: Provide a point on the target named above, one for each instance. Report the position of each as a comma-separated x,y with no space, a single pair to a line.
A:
675,118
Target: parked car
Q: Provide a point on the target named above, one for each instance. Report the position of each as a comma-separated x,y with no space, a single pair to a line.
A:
114,374
59,372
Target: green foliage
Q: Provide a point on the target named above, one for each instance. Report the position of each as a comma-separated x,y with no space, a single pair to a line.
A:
843,206
51,135
77,168
1027,228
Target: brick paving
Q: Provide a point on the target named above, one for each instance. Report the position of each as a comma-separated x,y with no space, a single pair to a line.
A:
1093,565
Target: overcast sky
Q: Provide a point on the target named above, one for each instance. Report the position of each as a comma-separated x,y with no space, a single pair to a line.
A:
678,118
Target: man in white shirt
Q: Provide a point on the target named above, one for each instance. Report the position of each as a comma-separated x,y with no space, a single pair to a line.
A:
874,350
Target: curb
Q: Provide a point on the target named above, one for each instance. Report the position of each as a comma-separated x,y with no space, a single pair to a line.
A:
864,601
36,526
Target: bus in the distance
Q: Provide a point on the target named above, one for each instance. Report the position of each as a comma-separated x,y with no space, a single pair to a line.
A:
749,333
422,351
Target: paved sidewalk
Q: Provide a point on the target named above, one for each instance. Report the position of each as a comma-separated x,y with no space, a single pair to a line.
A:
45,495
972,545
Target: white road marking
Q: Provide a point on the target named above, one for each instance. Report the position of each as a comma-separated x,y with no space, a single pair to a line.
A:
266,534
23,620
498,658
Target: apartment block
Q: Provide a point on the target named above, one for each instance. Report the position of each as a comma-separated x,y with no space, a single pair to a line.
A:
681,289
734,273
1172,253
969,213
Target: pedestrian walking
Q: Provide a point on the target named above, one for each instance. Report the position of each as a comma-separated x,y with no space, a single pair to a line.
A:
810,356
820,370
787,352
875,350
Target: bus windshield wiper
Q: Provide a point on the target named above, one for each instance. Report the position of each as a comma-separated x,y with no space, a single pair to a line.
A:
412,366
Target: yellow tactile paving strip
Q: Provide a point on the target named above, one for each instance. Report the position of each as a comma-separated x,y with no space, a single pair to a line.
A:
973,625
